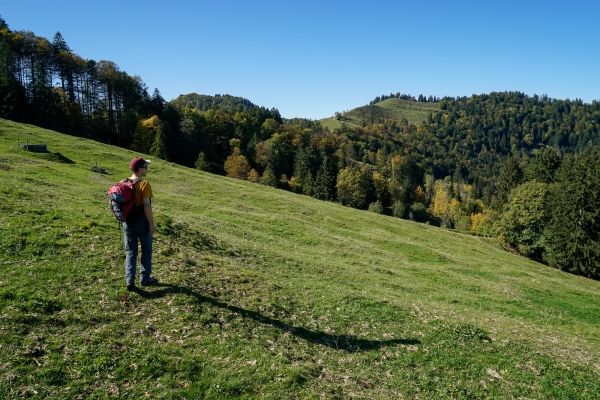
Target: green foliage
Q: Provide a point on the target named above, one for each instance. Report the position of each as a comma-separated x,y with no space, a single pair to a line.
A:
159,148
573,234
145,134
398,209
418,212
303,165
543,167
268,178
203,102
511,176
522,224
376,207
202,163
353,187
462,223
324,186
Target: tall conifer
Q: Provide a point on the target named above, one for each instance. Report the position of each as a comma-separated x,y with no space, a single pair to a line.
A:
573,234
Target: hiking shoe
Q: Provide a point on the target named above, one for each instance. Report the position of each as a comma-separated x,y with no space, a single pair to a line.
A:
130,286
149,282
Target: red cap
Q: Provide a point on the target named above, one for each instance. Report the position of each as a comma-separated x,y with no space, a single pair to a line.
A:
138,163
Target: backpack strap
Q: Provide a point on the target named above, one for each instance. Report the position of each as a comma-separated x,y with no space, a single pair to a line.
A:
133,183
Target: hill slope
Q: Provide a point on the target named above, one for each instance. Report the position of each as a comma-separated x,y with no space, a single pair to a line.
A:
397,109
266,293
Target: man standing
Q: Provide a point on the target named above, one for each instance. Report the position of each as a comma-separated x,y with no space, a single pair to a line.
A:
141,229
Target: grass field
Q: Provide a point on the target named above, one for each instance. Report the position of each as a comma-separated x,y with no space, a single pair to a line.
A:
414,112
265,293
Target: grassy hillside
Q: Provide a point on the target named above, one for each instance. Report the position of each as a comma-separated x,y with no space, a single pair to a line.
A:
414,112
266,294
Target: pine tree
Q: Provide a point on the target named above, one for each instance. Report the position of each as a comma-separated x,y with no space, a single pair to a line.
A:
159,148
511,176
324,184
202,163
269,178
543,167
157,102
302,171
573,233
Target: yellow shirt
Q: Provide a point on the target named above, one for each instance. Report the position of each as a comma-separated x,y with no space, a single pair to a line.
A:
142,191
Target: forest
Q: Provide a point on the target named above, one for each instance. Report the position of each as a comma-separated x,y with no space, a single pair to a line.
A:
524,169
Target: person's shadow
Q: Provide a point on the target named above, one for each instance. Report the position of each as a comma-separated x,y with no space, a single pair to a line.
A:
341,342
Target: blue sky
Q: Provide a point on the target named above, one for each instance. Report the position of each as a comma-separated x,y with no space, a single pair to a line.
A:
312,58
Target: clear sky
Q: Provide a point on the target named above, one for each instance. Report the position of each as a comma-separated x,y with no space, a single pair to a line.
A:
311,58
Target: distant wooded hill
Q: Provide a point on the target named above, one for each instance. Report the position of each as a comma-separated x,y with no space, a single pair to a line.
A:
203,102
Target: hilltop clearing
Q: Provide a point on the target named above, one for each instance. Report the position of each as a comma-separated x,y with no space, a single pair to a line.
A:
389,109
266,293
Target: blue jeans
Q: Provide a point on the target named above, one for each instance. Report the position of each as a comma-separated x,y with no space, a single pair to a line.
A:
134,232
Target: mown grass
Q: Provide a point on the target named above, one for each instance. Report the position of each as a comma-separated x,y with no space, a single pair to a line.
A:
397,109
265,293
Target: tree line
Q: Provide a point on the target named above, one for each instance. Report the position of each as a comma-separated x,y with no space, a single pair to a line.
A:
404,96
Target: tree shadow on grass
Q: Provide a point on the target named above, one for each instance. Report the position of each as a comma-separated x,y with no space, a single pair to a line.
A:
340,342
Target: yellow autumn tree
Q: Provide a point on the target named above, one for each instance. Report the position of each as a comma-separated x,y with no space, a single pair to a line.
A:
254,176
483,222
419,195
237,166
440,203
381,189
145,134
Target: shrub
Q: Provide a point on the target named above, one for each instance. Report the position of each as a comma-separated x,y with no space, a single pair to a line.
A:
418,211
202,163
376,207
463,223
398,210
254,176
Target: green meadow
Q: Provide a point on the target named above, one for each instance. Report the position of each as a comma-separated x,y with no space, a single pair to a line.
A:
397,109
266,294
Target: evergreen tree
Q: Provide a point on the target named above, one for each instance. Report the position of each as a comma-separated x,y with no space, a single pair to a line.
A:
302,171
269,178
189,145
543,167
159,148
157,102
202,163
573,233
324,185
511,176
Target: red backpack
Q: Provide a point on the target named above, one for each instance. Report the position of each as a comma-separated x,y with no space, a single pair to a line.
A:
121,196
